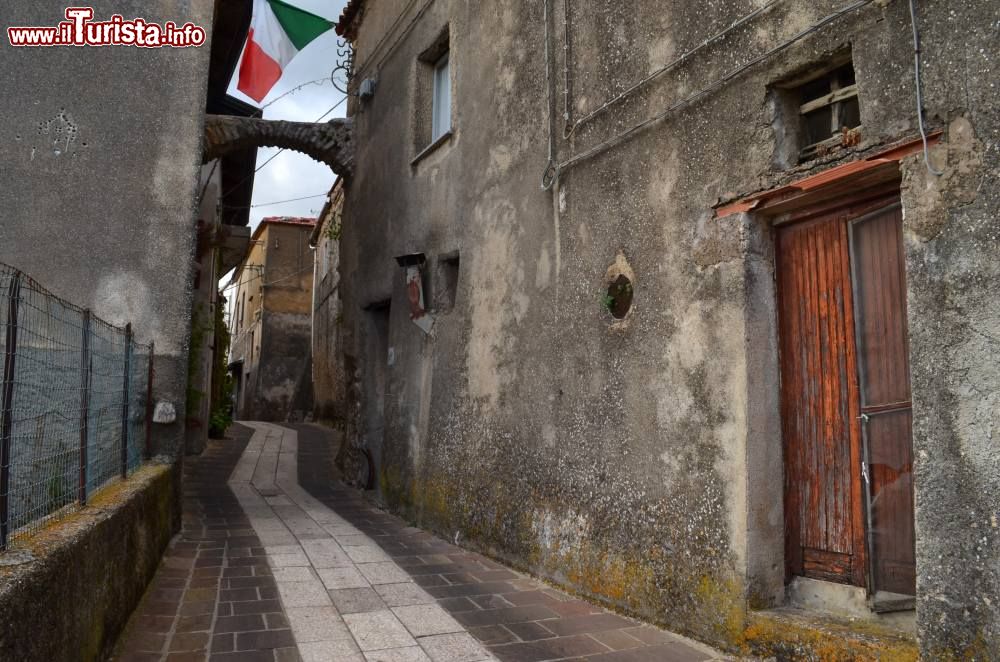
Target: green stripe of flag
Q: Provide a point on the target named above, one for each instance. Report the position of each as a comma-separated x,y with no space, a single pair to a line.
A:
300,26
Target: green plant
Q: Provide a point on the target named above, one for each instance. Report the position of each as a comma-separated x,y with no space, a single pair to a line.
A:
223,384
334,228
198,330
608,302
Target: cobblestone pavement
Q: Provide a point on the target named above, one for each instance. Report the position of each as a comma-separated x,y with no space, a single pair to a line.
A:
213,593
282,564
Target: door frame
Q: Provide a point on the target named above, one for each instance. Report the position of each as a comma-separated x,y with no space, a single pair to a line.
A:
882,193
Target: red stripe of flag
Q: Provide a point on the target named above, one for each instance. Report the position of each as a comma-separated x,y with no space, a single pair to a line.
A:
258,72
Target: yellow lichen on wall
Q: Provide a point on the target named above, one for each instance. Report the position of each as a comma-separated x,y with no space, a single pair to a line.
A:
797,637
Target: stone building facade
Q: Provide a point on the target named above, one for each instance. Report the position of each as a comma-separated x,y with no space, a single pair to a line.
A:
270,314
660,243
329,381
99,206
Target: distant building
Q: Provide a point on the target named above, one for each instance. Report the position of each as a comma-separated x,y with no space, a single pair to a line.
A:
328,370
270,315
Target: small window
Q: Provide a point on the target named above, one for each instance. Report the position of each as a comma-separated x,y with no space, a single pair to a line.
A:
818,112
442,99
829,112
447,290
432,97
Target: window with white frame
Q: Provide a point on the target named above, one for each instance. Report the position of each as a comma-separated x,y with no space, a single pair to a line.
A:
441,102
432,122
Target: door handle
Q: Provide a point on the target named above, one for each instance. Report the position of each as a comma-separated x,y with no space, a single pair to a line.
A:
864,418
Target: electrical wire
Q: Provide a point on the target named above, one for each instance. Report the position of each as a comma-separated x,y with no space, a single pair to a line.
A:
920,94
260,275
277,202
625,135
318,81
572,127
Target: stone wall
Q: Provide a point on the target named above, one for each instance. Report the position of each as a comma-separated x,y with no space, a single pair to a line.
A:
88,572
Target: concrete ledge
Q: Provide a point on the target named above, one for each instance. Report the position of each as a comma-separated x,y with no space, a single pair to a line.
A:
89,571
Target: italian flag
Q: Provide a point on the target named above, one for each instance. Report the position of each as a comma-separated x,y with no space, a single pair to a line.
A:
278,32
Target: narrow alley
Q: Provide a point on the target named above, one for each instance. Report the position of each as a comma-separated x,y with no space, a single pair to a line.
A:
276,562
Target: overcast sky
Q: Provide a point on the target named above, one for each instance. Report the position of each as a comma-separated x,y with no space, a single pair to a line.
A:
291,174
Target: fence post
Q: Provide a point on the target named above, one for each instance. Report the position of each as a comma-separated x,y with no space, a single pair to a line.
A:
149,404
7,405
125,397
84,404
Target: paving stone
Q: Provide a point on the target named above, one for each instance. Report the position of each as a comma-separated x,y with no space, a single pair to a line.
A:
663,653
617,640
530,631
255,607
490,635
378,630
403,594
504,615
276,621
356,600
367,554
293,574
410,654
587,624
386,572
338,578
200,623
548,649
303,594
189,641
317,624
461,647
269,639
330,651
288,560
423,620
244,623
458,604
224,643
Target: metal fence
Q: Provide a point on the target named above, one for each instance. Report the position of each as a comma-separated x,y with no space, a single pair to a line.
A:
74,405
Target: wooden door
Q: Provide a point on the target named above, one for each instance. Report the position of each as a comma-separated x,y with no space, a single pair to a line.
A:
846,396
879,277
824,521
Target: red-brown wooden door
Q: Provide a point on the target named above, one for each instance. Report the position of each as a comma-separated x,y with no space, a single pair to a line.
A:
824,523
845,396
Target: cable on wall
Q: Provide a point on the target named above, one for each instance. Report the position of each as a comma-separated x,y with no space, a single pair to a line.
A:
920,94
551,172
624,136
571,127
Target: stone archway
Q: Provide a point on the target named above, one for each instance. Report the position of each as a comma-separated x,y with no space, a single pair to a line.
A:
330,142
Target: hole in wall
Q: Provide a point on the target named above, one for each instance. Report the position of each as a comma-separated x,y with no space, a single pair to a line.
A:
619,298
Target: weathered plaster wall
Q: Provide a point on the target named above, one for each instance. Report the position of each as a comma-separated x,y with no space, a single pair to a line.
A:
328,378
640,461
99,205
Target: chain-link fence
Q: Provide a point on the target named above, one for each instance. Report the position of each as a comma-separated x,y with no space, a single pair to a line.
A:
74,405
